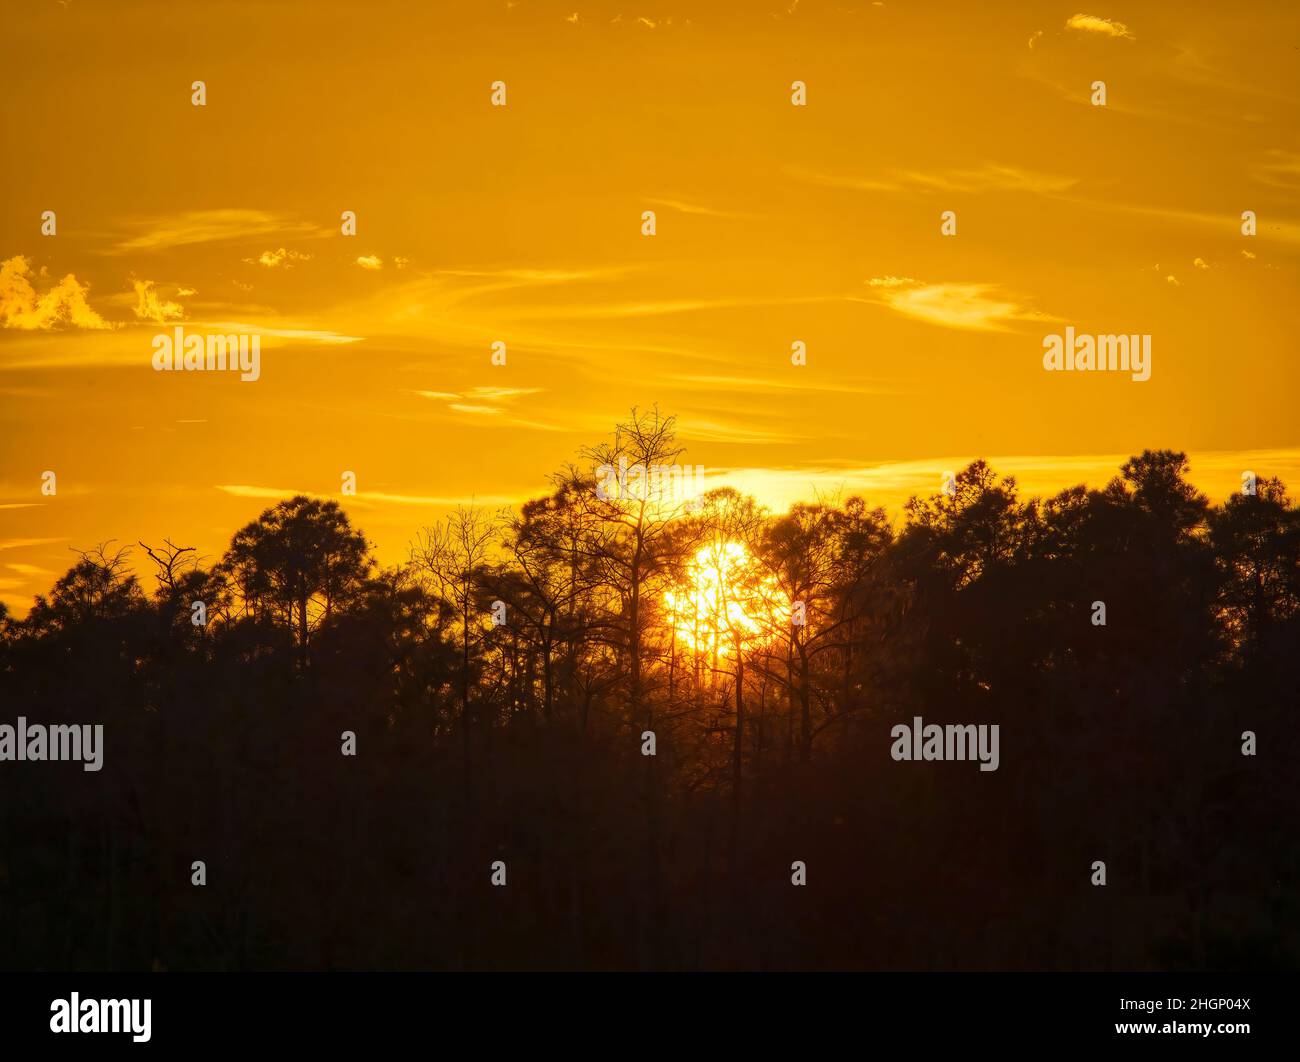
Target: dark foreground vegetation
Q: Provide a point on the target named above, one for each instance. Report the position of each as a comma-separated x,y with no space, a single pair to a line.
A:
522,742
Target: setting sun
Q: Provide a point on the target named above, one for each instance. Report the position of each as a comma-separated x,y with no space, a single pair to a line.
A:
726,597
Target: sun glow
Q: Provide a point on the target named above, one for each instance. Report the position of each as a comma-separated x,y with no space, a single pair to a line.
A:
726,599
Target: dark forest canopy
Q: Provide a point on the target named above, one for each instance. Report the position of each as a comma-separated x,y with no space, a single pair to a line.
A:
224,691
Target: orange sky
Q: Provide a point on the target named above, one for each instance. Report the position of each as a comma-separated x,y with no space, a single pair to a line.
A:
523,224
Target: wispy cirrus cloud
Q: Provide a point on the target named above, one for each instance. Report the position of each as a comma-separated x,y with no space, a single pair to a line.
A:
1279,229
457,303
987,177
504,393
122,346
743,384
976,307
685,207
655,308
246,490
285,332
489,403
532,276
30,570
1280,169
491,394
23,543
444,289
712,428
208,226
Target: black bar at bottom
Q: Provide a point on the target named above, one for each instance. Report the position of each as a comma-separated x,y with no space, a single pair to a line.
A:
805,1013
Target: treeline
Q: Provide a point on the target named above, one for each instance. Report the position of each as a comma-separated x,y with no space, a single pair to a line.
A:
503,686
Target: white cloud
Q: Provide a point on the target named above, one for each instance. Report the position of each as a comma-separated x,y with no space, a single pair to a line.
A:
1107,27
280,257
150,307
973,306
23,308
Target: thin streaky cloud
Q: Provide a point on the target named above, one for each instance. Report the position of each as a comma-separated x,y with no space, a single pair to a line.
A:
1227,223
23,543
981,307
1281,169
501,417
598,312
988,177
29,569
487,394
699,429
502,393
754,383
309,335
685,207
208,226
534,276
244,490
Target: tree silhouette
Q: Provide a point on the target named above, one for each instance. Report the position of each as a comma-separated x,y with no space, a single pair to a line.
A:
625,612
298,562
